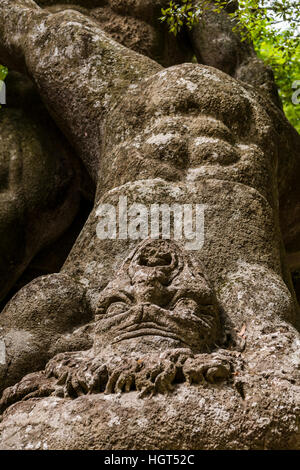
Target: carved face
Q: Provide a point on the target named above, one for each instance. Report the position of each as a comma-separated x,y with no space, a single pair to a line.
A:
158,301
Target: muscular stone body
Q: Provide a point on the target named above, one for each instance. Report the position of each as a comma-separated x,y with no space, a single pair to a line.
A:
176,136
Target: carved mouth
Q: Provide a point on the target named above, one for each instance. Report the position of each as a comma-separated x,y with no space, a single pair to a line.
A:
147,329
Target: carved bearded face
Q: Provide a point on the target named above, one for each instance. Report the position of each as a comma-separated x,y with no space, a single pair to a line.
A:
158,301
157,325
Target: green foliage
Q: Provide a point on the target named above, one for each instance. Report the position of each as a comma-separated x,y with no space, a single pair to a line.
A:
178,15
273,26
287,77
273,21
3,72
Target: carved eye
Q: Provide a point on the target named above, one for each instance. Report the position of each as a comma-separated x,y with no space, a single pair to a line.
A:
186,304
116,308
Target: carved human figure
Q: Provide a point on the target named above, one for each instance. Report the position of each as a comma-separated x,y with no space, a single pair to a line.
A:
176,136
205,155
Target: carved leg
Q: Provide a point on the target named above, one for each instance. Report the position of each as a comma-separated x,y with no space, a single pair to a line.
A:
78,69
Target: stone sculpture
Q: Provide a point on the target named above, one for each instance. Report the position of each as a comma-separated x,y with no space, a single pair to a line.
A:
156,324
206,336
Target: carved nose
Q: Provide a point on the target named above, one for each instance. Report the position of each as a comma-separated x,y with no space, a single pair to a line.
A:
149,276
145,312
155,254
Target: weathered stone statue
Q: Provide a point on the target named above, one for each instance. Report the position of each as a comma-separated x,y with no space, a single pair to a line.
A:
155,325
199,326
135,25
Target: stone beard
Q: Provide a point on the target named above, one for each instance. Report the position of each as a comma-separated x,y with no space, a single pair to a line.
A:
157,324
